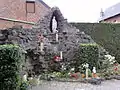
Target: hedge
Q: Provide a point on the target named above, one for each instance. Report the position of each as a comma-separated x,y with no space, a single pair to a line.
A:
10,62
87,53
105,34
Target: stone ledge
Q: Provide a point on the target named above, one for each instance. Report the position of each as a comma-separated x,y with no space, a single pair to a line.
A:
54,42
113,77
91,81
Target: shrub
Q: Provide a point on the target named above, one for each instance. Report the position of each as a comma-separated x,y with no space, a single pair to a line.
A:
107,62
87,53
10,62
105,34
24,86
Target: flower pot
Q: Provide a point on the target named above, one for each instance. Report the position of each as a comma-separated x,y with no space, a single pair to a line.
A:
83,75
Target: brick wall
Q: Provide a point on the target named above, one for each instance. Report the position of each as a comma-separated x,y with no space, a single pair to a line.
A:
114,19
16,9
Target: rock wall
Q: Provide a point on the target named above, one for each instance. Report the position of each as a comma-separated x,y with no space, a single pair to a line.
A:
68,40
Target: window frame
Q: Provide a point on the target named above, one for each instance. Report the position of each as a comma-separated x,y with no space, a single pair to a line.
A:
27,2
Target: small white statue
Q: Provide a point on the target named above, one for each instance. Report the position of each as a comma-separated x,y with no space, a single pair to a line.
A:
94,70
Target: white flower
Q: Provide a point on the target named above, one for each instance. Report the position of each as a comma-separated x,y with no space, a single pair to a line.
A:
30,78
110,58
64,68
113,58
85,65
25,77
69,73
72,69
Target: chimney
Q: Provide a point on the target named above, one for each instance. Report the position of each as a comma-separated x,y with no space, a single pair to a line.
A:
101,13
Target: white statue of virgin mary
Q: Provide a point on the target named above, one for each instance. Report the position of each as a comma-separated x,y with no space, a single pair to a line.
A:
54,25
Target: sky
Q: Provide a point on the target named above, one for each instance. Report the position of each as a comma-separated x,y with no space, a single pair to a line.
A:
81,10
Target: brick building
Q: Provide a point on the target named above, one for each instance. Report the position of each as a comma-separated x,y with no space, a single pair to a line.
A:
111,14
21,12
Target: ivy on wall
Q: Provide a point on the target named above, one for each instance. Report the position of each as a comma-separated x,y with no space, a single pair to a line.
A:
10,65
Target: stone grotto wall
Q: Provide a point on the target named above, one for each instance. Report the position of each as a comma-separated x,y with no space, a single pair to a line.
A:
69,39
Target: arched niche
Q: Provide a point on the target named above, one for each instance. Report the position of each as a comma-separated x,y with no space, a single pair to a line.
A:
59,19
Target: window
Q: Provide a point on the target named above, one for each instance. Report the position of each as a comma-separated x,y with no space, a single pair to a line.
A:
115,21
30,6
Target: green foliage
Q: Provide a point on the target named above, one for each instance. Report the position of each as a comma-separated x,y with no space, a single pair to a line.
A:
60,74
87,53
89,73
54,75
10,62
105,34
24,86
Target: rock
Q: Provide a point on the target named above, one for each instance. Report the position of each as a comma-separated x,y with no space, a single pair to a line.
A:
117,77
94,81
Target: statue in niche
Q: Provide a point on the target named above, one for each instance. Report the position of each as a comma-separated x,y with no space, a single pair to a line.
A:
54,28
54,25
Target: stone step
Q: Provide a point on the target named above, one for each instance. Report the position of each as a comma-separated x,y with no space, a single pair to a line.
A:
53,42
2,38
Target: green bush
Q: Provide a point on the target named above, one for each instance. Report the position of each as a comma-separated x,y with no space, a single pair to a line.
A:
10,62
105,34
87,53
24,86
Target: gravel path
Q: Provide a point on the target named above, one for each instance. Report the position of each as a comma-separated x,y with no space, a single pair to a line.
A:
53,85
